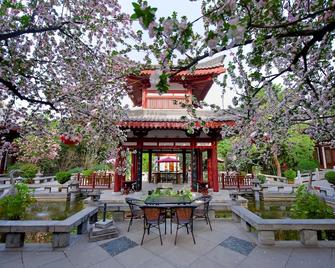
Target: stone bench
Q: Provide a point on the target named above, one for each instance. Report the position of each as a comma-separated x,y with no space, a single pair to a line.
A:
266,227
15,230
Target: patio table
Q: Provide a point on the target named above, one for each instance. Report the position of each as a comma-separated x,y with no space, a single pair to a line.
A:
168,203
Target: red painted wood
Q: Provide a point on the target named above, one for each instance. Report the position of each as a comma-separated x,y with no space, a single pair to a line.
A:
184,166
150,167
236,182
209,168
215,167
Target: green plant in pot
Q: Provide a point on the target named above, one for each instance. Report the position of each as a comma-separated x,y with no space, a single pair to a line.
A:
62,177
290,174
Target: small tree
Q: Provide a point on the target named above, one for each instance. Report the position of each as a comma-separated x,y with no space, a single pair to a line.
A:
13,207
310,206
309,166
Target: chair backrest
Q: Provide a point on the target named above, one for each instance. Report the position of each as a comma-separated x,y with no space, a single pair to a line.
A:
134,204
184,214
151,214
205,199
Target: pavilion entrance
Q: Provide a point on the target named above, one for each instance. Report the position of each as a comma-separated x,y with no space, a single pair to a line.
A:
194,163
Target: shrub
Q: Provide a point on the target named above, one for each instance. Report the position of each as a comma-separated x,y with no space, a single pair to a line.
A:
307,165
87,172
28,171
75,170
261,178
330,177
63,176
13,207
290,174
310,206
98,167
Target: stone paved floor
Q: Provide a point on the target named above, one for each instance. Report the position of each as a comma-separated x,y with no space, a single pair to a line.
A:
210,251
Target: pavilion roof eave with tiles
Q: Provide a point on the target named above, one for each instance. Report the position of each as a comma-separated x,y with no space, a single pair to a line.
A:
200,80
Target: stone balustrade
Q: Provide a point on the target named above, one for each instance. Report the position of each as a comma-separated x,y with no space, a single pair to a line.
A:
266,228
15,230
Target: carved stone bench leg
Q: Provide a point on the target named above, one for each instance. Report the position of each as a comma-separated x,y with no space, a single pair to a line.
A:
266,237
60,240
15,240
308,237
83,227
235,217
246,226
94,218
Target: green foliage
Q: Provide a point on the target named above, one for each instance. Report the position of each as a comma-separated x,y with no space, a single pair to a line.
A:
75,170
87,172
163,84
13,207
261,178
296,148
330,177
290,174
28,171
310,206
224,147
307,165
147,14
99,167
63,176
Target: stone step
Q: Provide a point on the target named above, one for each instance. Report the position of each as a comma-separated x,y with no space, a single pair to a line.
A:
94,238
98,231
104,224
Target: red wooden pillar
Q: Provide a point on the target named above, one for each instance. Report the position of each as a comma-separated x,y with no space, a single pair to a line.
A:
200,173
209,168
150,166
117,176
184,166
215,174
133,166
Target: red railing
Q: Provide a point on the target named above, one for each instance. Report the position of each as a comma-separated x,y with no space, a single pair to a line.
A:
96,180
236,182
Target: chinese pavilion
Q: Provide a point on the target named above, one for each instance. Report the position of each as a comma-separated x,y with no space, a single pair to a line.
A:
156,127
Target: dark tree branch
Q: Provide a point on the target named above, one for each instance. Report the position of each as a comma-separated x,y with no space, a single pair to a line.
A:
5,36
15,91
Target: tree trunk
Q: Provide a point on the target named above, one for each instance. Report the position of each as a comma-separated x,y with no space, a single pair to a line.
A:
277,164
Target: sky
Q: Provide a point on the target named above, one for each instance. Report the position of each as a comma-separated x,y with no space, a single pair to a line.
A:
192,10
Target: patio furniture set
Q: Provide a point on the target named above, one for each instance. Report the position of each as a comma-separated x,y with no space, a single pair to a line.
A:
180,211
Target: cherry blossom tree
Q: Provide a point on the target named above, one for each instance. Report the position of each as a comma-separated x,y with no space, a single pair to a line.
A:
285,42
59,60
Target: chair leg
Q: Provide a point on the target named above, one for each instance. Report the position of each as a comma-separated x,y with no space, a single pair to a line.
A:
143,235
175,239
130,223
186,225
160,235
210,226
192,233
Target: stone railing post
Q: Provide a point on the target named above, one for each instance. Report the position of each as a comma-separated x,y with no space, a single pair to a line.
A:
266,237
60,240
308,237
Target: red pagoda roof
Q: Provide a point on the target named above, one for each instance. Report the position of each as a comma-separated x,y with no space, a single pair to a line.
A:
199,81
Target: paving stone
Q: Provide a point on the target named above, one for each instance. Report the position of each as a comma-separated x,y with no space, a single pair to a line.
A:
118,245
34,259
134,257
6,256
310,257
226,257
239,245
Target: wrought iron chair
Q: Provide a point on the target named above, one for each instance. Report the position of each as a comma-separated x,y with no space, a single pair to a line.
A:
183,217
153,217
202,211
134,206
